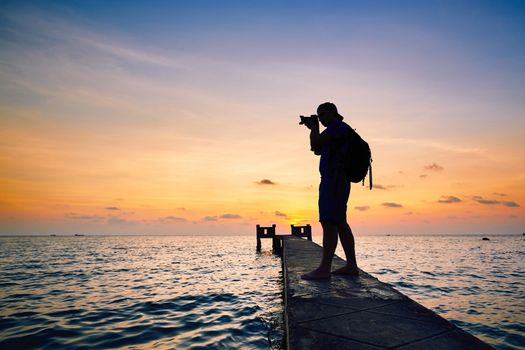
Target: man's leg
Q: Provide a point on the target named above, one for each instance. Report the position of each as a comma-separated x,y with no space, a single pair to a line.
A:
348,243
329,245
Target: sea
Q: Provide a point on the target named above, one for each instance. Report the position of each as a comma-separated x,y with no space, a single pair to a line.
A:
218,292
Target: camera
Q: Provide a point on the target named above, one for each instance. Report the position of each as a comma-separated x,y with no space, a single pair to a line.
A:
307,120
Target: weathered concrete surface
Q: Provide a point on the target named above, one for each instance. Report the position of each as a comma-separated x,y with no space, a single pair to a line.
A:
357,312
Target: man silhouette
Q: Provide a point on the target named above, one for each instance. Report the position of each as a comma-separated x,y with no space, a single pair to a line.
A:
334,189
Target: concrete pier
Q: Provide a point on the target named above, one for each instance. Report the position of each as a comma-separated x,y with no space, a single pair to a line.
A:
361,312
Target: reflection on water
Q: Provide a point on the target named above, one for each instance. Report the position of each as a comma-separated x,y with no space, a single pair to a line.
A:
478,285
162,292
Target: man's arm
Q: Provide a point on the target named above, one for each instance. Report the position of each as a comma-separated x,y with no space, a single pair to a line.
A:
318,140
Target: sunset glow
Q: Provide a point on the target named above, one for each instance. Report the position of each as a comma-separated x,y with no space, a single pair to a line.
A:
182,118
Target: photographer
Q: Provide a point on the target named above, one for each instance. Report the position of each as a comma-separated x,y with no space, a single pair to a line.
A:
334,189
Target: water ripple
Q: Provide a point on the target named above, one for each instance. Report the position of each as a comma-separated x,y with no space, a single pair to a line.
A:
136,292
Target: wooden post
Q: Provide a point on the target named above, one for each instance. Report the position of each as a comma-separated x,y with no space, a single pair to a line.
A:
308,230
270,233
302,231
258,237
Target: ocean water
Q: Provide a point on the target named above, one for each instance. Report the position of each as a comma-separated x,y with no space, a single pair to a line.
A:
215,292
139,292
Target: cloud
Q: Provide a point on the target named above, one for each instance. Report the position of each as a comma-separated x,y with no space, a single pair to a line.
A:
265,182
118,221
76,216
433,167
223,216
386,188
480,200
278,213
128,53
181,208
111,208
391,205
449,199
362,208
423,176
171,218
500,194
488,201
430,143
230,216
46,24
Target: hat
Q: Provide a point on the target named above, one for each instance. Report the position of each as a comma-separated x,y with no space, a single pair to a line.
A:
329,106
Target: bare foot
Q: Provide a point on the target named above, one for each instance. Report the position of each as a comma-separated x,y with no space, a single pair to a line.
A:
316,274
347,270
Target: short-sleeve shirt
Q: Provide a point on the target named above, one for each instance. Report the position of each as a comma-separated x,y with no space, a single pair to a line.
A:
332,154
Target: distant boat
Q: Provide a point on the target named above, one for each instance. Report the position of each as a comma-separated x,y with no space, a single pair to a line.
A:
388,234
486,239
77,234
53,235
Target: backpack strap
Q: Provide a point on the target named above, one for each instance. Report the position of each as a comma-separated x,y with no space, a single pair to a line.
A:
370,173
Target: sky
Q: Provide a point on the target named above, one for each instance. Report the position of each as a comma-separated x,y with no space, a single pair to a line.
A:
181,117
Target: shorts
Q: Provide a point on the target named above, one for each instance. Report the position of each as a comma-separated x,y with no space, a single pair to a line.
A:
333,199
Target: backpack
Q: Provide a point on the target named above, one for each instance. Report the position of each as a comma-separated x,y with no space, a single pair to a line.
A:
358,158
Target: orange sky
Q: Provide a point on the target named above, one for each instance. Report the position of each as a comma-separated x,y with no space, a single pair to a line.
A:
106,133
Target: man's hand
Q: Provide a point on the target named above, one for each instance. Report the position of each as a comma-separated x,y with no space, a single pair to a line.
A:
312,123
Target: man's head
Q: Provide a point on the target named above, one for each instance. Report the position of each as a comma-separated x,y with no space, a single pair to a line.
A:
327,113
